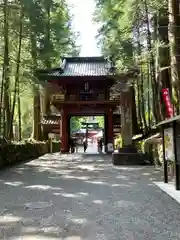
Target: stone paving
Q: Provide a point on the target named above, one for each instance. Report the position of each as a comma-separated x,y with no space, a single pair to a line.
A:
75,197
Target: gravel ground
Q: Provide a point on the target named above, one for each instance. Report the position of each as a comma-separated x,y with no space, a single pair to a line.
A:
75,197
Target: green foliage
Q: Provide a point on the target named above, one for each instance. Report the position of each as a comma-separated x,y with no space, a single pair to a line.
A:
75,123
100,120
118,141
47,35
127,36
115,35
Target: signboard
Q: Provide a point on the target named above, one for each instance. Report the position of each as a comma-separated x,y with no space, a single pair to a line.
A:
110,147
58,97
51,135
168,143
177,136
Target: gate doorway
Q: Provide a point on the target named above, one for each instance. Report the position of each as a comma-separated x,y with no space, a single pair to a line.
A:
89,129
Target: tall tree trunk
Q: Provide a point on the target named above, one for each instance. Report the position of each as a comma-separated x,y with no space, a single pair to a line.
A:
143,111
37,131
19,112
149,96
163,56
126,118
47,63
6,72
141,100
174,41
155,86
2,106
139,103
135,126
48,60
17,73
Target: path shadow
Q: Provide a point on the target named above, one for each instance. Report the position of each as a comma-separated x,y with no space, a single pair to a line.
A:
60,196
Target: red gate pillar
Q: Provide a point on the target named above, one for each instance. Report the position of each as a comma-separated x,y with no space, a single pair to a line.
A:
110,131
64,133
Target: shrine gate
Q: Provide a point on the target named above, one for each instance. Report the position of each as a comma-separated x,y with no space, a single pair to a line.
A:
80,87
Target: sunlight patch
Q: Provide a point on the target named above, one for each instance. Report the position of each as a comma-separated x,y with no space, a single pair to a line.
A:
98,182
88,167
79,220
122,177
35,236
82,178
51,230
69,177
152,179
76,177
147,174
97,201
116,185
120,185
69,195
9,219
66,171
30,229
73,238
124,203
38,205
57,194
41,187
83,194
16,184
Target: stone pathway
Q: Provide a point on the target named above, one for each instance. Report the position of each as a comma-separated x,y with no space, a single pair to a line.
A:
75,197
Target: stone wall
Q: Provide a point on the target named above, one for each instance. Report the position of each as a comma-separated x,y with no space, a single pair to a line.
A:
18,152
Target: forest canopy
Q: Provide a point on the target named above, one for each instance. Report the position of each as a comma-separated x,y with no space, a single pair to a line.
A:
34,34
38,33
143,34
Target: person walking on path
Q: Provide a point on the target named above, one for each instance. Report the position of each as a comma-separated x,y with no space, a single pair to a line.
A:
72,145
85,144
76,145
99,145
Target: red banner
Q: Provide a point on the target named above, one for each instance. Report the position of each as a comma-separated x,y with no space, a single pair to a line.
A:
167,102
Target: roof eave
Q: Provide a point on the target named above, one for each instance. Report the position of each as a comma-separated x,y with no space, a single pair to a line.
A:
45,77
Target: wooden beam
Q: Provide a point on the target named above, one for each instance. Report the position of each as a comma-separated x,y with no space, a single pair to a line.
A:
99,102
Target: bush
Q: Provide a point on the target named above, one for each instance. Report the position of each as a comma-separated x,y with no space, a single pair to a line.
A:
155,149
12,153
56,146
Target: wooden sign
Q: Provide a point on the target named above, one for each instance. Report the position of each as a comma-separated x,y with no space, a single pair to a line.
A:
168,142
51,135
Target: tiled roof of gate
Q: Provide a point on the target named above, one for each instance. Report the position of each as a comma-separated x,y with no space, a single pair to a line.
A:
82,66
86,67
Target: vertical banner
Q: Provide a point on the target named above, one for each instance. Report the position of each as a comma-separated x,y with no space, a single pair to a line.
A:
167,102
